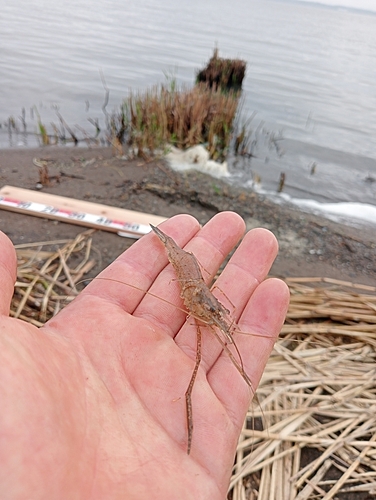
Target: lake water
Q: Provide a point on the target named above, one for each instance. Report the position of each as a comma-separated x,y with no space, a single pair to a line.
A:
311,73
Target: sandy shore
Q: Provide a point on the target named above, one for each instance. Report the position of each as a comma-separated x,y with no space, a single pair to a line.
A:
309,245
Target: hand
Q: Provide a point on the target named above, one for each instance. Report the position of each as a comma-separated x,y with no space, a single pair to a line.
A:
92,404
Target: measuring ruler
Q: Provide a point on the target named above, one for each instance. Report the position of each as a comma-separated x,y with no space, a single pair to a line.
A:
126,223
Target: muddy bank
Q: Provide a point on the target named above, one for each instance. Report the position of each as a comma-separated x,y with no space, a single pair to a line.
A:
309,245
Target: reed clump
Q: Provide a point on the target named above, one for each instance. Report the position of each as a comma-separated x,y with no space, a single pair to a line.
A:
162,116
223,74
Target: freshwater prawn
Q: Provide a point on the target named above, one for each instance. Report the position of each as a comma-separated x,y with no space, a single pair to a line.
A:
204,307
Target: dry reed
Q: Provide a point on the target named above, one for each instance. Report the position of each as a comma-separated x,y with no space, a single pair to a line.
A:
47,275
317,396
317,401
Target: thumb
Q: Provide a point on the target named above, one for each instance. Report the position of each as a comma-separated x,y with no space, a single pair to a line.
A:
8,273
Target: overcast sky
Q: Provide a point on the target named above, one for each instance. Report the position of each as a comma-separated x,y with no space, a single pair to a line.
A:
358,4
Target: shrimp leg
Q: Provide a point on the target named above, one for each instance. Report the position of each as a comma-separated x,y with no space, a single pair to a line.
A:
188,394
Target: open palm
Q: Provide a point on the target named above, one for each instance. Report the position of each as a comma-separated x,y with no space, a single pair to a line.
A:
94,401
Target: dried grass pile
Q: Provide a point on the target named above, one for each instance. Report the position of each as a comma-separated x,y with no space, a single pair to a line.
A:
47,275
317,398
318,401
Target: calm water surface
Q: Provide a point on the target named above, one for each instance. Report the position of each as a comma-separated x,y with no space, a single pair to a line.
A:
311,76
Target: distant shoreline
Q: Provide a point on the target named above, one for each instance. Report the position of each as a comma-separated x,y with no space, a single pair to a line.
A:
343,211
309,245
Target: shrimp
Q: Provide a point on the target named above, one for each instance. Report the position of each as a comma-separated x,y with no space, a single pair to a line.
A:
202,305
197,297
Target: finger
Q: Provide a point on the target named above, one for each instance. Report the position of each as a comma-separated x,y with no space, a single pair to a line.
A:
262,319
248,266
129,277
210,246
8,273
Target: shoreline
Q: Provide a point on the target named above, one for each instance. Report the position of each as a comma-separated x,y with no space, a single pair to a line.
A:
357,214
310,245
